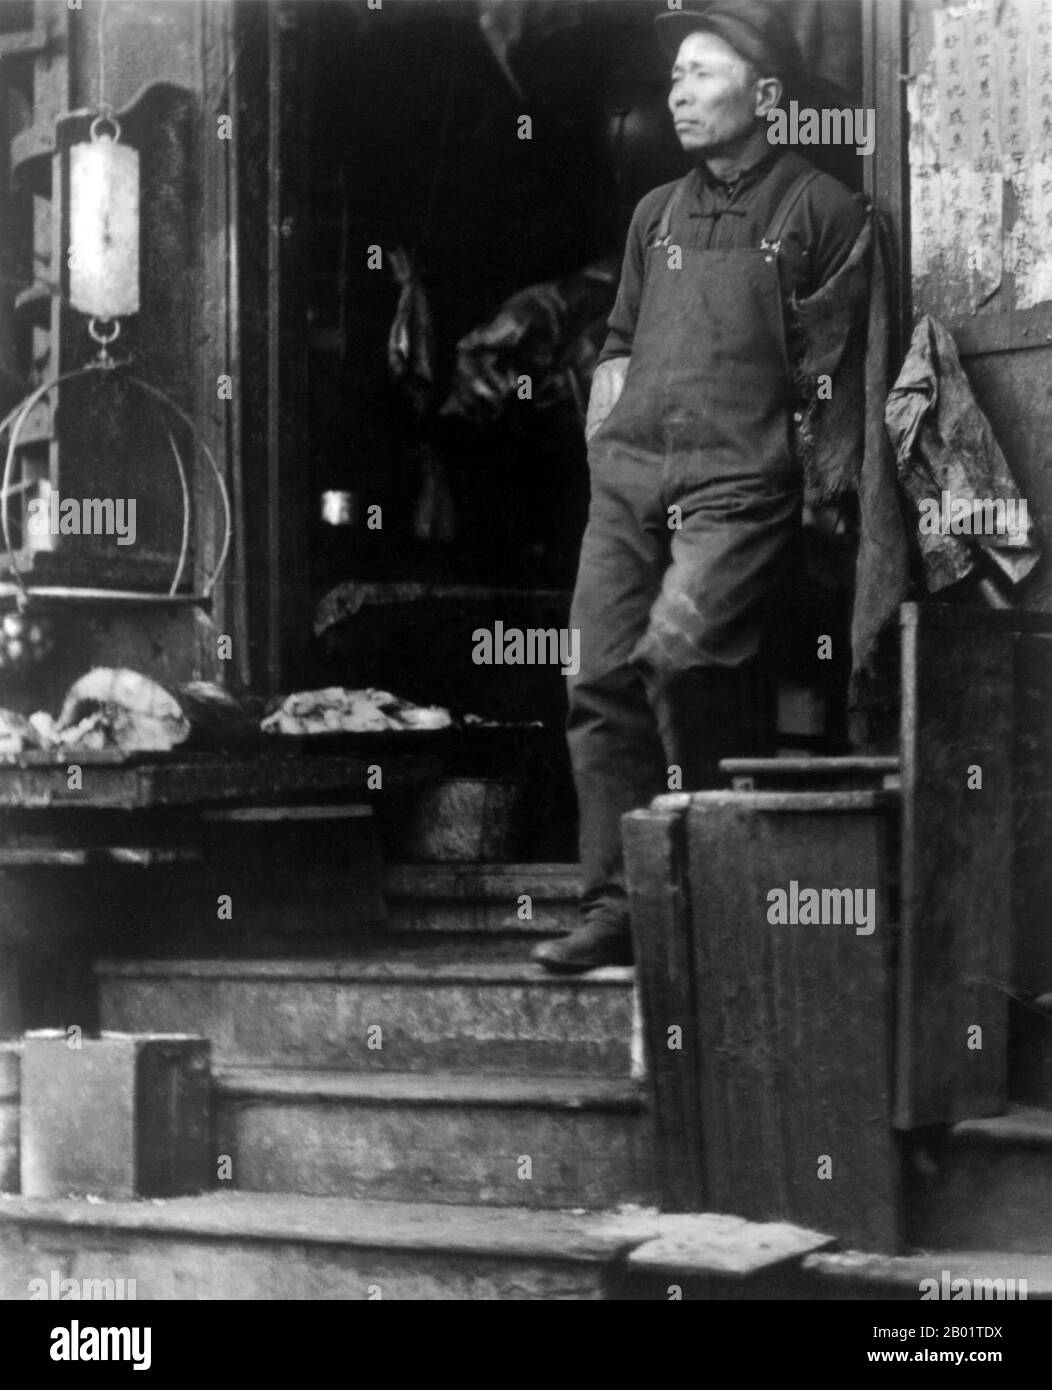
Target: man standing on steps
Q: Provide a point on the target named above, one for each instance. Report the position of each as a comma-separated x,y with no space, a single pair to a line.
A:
696,493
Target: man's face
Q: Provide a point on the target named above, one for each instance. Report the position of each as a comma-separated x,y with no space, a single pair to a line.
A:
716,95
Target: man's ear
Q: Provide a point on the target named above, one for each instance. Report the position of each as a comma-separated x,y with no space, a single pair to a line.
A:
768,94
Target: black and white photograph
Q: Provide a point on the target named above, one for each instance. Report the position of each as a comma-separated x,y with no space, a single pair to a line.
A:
526,665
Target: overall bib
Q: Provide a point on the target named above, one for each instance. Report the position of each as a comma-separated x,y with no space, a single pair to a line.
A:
696,500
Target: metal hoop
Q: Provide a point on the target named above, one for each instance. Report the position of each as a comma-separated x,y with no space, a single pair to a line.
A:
95,331
21,413
105,117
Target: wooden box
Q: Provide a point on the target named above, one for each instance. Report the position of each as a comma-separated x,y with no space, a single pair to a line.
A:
120,1116
777,1101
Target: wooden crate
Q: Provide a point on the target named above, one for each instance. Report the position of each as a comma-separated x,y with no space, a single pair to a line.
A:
785,1067
655,854
968,702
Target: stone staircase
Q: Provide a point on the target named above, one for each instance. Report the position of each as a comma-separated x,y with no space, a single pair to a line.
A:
985,1183
418,1109
409,1069
420,1113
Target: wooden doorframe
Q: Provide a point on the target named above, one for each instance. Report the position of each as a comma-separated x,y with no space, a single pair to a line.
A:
884,53
263,601
251,329
220,338
288,594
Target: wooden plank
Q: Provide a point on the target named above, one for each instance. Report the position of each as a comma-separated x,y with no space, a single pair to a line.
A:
52,856
1032,862
40,788
292,70
960,617
1030,1023
957,713
887,173
1003,332
86,757
697,1247
23,42
796,802
254,814
217,339
795,1020
812,774
824,767
215,780
654,866
274,779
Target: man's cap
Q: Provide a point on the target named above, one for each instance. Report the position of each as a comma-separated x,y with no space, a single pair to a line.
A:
756,30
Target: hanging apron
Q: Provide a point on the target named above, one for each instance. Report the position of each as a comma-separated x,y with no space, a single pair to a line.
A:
703,424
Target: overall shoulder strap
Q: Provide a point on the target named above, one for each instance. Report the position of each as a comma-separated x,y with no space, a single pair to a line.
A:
674,199
792,196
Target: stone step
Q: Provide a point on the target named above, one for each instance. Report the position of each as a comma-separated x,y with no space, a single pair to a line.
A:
263,1246
482,898
504,1141
985,1184
995,1274
433,1013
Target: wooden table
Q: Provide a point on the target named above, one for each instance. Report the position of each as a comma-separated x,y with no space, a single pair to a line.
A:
159,781
163,813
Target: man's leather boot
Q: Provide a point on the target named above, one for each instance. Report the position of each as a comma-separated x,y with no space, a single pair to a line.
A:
597,941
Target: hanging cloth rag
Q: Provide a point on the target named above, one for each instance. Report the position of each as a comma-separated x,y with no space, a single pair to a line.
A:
507,24
411,340
552,332
951,466
843,448
411,360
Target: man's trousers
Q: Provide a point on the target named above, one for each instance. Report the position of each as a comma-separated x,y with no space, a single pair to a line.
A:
677,579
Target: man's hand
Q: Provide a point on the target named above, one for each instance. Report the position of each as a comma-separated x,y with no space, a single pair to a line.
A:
607,385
